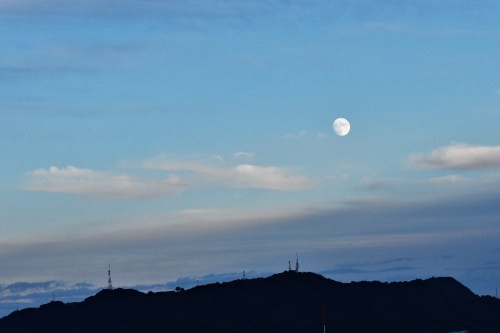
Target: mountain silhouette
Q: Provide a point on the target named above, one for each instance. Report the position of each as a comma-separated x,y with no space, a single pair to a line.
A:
285,302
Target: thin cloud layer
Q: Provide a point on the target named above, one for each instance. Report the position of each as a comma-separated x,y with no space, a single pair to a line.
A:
26,288
459,156
76,180
240,176
86,181
244,154
265,241
449,179
272,178
173,9
33,294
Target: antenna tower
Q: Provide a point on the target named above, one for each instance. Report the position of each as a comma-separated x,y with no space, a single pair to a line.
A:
297,263
110,285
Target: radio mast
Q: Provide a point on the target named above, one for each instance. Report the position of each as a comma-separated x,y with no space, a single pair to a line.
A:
110,285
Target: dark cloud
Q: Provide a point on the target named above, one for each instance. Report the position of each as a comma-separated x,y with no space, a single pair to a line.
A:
22,295
354,270
429,237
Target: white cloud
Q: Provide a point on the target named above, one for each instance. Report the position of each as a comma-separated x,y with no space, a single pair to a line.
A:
274,178
240,176
459,156
450,179
290,136
218,158
86,181
244,154
76,180
304,135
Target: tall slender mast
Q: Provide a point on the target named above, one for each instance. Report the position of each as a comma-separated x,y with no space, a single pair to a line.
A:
110,285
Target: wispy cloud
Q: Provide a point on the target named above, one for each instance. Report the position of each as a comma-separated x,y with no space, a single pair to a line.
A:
244,154
353,269
182,175
387,26
25,288
459,156
380,184
290,136
449,179
31,294
239,176
86,181
49,59
275,178
305,134
194,9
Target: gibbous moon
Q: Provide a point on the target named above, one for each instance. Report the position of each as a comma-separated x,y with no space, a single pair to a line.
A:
341,126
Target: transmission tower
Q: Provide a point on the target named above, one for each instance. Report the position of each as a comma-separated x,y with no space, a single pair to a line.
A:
297,263
110,285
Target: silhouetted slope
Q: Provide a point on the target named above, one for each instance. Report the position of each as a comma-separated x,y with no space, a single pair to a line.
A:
286,302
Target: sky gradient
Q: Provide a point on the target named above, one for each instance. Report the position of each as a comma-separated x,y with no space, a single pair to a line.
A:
192,140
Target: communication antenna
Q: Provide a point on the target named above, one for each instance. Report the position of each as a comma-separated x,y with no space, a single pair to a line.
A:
297,263
289,266
110,285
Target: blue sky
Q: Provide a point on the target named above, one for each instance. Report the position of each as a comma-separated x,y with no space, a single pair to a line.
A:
178,139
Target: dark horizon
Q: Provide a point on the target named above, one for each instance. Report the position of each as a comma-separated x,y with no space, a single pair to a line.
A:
290,301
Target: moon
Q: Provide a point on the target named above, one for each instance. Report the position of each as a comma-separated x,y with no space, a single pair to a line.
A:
341,126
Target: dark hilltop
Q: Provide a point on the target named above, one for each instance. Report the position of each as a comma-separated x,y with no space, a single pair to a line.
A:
286,302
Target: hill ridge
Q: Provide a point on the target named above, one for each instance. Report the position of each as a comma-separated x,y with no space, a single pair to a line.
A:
283,302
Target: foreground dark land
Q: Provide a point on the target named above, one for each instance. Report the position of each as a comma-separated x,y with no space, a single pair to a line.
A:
286,302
